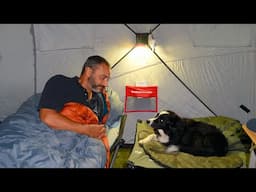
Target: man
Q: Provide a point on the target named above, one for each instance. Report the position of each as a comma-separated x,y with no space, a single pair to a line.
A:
78,104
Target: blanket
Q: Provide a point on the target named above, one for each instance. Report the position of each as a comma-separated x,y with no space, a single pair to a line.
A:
231,128
26,142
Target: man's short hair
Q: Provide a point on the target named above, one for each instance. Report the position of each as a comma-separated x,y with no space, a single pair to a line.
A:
94,60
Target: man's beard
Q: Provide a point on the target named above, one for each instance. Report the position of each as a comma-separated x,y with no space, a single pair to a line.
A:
95,87
98,88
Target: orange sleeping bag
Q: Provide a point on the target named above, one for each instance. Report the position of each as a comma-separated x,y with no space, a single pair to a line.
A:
83,114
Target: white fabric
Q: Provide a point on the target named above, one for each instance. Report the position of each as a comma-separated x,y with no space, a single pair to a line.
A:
52,37
220,35
223,82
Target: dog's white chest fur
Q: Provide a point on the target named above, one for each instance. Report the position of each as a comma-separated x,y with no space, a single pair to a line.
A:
162,138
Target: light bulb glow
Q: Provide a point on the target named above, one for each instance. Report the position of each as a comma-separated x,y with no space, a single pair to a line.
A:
141,55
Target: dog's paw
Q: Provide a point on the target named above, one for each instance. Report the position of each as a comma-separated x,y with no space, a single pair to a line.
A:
147,139
172,149
142,141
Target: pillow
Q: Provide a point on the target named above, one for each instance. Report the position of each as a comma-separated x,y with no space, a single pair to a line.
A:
116,108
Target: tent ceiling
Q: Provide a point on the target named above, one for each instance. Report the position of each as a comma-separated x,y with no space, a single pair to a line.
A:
142,28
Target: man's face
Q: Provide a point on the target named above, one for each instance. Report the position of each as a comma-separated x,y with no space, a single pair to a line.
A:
99,78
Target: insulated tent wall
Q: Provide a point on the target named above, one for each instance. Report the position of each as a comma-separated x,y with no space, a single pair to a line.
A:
16,66
216,62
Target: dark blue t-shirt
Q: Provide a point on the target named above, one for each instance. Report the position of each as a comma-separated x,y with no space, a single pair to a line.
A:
60,89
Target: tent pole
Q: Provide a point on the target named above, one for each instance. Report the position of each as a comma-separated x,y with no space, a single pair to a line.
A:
181,80
133,46
122,57
35,57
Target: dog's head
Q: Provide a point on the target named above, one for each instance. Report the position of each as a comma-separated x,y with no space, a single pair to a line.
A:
164,125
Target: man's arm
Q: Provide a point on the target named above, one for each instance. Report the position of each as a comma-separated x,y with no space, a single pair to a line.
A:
57,121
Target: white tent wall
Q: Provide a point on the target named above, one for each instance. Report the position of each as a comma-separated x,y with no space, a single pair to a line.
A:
16,66
223,82
63,48
215,61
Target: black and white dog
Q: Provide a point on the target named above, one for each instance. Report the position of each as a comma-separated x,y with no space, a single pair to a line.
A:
186,135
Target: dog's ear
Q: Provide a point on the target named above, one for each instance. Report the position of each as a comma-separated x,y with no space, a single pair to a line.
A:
180,123
174,118
176,132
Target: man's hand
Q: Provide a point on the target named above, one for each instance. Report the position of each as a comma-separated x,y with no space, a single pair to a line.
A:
95,130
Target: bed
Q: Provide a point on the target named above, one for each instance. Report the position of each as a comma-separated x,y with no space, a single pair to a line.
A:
26,142
152,155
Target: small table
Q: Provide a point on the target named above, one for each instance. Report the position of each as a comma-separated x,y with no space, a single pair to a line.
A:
252,135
